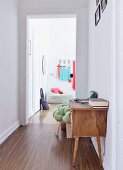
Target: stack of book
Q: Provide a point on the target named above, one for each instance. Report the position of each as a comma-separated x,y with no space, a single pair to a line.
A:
98,103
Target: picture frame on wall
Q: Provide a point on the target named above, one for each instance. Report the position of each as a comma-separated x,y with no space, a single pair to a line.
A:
103,5
97,2
97,15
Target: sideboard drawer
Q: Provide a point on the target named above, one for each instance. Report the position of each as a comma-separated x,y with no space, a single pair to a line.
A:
89,123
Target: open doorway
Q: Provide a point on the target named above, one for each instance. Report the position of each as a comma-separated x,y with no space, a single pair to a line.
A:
51,60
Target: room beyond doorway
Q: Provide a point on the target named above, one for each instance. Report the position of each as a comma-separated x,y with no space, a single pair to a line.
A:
51,43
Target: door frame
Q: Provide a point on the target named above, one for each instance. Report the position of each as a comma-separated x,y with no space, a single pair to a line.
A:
81,52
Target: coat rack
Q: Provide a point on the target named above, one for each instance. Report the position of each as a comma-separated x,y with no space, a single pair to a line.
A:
65,62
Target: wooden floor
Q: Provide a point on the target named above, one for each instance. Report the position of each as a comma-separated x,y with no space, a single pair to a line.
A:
36,147
45,116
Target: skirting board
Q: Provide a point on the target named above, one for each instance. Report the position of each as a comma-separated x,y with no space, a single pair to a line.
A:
8,132
106,162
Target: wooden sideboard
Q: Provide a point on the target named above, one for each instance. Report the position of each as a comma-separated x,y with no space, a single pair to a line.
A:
86,122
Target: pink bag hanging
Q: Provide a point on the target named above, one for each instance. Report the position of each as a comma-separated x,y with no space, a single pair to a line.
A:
74,75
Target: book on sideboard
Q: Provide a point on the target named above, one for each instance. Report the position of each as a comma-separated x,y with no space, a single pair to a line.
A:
99,107
98,102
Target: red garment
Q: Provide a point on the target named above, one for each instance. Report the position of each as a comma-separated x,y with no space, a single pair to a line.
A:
56,90
74,76
58,71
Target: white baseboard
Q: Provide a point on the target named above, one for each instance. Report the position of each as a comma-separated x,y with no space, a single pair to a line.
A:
8,132
24,122
107,164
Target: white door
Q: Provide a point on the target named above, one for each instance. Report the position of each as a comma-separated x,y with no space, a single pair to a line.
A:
36,70
44,52
43,73
38,38
30,65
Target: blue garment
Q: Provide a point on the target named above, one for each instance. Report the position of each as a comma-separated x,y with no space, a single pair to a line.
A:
65,73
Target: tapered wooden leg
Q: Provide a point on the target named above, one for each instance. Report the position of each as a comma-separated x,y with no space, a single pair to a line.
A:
57,128
99,149
75,150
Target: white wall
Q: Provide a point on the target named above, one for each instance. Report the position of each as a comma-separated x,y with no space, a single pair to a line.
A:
31,7
102,72
119,74
52,4
8,67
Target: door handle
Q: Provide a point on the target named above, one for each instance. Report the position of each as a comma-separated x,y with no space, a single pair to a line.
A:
30,45
43,64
